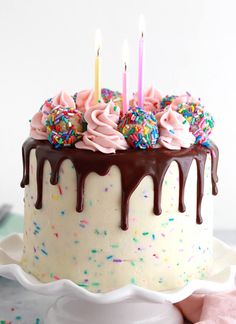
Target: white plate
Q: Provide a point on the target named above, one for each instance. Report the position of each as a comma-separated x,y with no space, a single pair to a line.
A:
129,304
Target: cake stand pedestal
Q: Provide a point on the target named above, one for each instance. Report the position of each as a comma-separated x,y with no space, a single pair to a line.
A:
128,305
69,310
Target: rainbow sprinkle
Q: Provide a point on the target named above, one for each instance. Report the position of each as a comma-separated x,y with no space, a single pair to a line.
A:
64,126
139,128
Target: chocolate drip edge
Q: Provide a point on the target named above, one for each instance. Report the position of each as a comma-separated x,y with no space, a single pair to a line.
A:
134,165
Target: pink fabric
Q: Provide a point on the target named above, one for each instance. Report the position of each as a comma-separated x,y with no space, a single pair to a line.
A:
210,309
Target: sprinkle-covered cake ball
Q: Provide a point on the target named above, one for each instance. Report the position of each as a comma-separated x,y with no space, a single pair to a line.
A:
201,122
64,126
166,101
139,128
115,96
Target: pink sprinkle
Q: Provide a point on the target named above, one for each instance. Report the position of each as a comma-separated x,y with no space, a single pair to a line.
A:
156,256
84,221
56,278
162,234
117,260
60,190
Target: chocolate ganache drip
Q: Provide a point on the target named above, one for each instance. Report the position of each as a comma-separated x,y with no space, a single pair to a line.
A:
134,165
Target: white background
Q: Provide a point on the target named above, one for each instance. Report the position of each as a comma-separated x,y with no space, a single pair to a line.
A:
46,46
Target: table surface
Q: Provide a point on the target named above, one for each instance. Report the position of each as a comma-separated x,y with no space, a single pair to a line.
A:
19,306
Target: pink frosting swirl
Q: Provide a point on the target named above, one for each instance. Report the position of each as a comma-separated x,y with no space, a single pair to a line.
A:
174,130
37,126
185,98
102,134
63,99
152,100
84,100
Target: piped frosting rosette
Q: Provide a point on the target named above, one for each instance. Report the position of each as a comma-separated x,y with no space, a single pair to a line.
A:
152,100
38,123
84,99
102,134
174,130
201,122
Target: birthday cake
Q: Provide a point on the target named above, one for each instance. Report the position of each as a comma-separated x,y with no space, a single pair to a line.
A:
114,197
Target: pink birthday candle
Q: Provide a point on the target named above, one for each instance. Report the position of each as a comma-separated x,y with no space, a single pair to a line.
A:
125,77
140,68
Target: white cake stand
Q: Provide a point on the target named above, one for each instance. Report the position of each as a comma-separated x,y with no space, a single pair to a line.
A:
127,305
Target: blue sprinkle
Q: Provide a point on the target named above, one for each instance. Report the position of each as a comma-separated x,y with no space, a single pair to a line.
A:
44,252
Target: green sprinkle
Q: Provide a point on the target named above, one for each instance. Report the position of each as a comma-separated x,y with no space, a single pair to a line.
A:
171,219
76,241
95,284
109,257
141,259
37,321
114,246
90,203
133,281
135,239
18,318
115,108
51,275
85,271
202,275
94,251
132,263
145,233
96,231
82,285
164,224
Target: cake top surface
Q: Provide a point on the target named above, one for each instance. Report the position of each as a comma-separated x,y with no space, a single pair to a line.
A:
173,122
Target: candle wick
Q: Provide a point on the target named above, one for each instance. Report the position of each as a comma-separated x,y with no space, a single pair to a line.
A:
142,34
125,67
98,51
